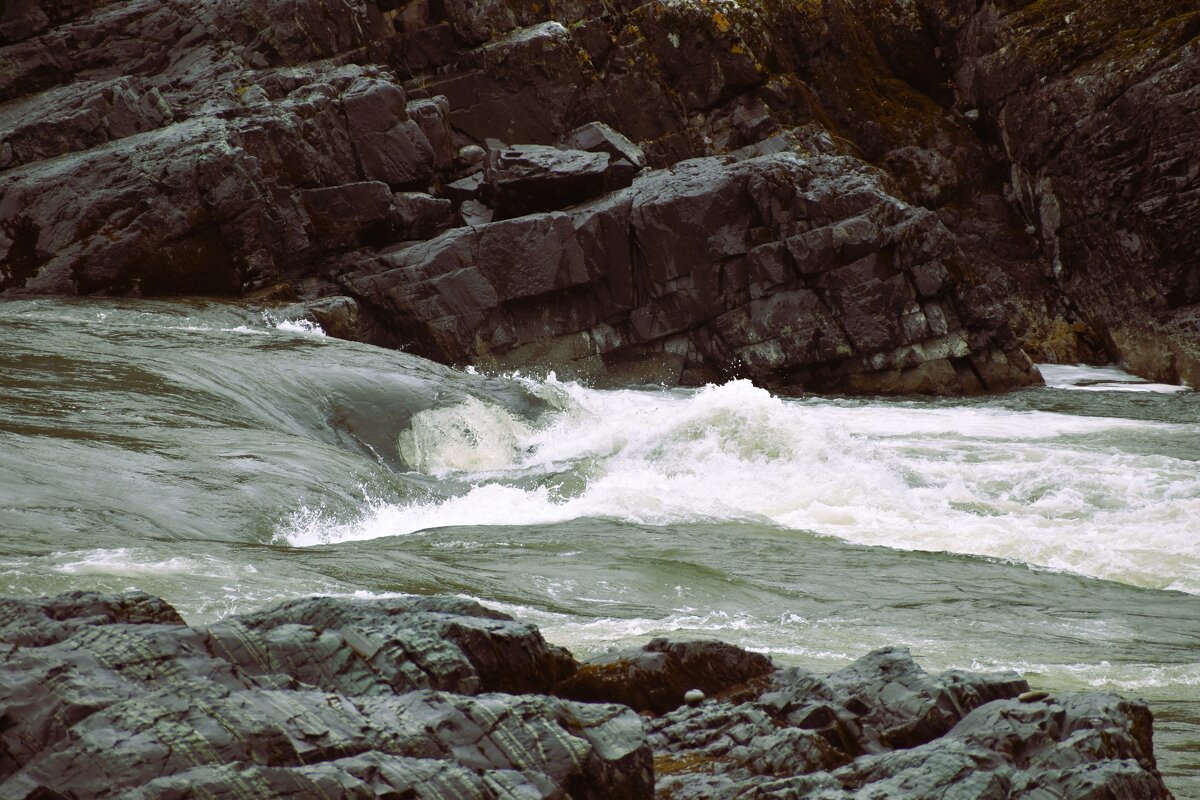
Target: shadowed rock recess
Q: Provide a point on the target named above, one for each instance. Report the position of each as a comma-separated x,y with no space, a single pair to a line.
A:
844,196
433,697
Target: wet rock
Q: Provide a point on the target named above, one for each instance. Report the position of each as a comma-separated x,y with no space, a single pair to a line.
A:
1088,746
473,213
119,696
464,189
884,728
337,316
113,696
45,621
596,137
80,116
417,215
798,272
471,155
523,179
215,205
1095,114
412,643
660,676
343,216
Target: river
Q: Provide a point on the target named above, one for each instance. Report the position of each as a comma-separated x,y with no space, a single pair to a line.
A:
224,459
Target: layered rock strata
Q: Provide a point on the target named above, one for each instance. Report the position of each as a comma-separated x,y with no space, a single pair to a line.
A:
114,696
1037,153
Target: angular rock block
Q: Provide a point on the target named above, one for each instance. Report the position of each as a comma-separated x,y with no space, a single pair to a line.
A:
802,273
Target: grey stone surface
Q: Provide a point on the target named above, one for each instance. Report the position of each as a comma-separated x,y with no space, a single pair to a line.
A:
358,699
226,147
798,272
658,677
437,697
883,728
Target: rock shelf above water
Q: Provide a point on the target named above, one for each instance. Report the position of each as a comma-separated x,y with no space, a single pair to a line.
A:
868,197
433,697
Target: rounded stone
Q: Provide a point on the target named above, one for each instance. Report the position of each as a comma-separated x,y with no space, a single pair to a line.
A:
471,154
693,697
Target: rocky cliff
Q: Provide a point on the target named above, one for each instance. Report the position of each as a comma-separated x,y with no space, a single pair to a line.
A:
441,699
817,194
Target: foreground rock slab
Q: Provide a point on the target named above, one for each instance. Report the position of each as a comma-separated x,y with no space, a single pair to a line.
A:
430,697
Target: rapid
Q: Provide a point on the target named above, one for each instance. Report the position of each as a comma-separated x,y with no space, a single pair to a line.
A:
223,459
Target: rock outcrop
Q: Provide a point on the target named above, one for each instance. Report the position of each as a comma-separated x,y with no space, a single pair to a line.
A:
998,179
798,272
317,698
1098,114
427,697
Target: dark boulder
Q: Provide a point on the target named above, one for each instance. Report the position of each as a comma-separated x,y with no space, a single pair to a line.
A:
437,697
437,643
48,620
119,696
656,677
798,272
596,137
884,728
523,179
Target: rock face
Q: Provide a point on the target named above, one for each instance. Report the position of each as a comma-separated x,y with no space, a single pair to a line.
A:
658,677
115,696
797,272
858,197
428,697
1097,115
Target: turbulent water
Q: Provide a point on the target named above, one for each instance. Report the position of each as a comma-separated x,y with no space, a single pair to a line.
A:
224,460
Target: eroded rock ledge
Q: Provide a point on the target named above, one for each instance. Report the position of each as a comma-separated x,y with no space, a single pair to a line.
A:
431,697
846,196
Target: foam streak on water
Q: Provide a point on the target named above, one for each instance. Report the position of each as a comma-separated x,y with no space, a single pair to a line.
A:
1101,379
1055,490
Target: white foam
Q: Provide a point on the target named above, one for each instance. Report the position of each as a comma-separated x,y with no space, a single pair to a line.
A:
1105,676
299,326
1048,489
130,562
472,436
1079,377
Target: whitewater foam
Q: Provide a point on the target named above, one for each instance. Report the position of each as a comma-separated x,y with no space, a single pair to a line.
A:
137,563
1049,489
1080,377
303,326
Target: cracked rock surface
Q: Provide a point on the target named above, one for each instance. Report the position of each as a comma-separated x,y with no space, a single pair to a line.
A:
433,697
863,198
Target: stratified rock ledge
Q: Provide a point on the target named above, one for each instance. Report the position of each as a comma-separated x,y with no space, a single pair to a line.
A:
433,697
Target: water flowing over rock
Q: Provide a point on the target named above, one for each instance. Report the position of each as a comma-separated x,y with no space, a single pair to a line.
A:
432,697
897,197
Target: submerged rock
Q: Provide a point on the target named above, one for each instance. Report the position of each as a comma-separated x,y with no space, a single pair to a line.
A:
429,697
